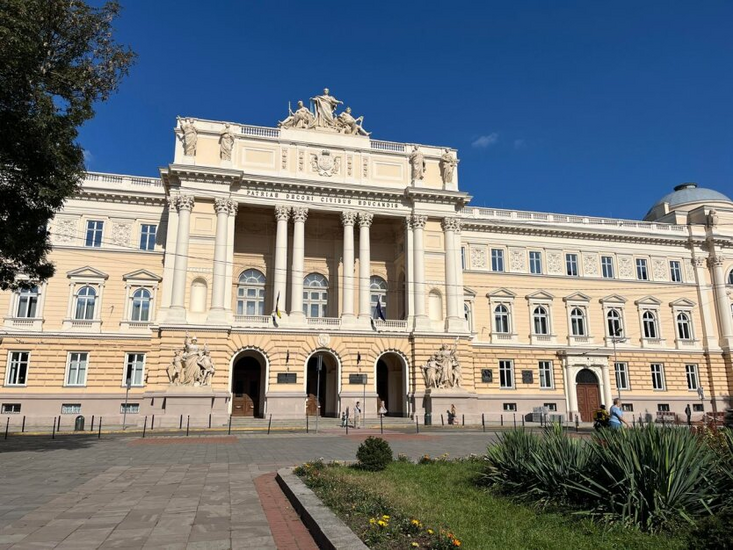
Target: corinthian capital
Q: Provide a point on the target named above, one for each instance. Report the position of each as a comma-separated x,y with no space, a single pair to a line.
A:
716,261
221,206
282,212
699,261
184,202
348,217
365,219
408,222
418,221
233,207
300,214
451,224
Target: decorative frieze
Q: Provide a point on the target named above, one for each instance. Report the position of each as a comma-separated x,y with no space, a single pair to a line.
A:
478,257
554,263
64,230
659,269
590,264
120,234
517,260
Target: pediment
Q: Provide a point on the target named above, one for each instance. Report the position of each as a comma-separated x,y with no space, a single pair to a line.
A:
682,302
502,293
577,297
648,301
86,272
613,299
469,292
540,295
142,275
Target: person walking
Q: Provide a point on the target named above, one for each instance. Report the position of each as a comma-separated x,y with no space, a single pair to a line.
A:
616,415
357,414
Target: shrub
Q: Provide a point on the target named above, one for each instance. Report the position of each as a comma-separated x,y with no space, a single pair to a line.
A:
374,454
714,532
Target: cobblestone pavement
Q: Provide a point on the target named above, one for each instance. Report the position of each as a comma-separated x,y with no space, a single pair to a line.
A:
78,492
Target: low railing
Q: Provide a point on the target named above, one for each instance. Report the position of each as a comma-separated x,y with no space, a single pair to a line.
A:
260,131
502,335
82,323
122,180
396,324
388,146
260,320
23,321
324,321
542,337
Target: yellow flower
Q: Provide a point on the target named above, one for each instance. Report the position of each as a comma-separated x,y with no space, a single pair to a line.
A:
456,542
372,521
430,532
415,545
415,522
382,523
385,517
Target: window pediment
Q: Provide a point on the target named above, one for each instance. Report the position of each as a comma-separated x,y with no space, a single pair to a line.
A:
501,294
577,297
142,275
648,301
86,272
682,303
540,295
613,299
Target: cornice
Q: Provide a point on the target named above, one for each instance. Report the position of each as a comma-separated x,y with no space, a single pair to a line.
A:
121,197
424,194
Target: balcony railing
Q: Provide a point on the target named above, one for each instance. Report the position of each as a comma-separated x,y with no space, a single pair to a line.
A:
324,321
391,324
253,320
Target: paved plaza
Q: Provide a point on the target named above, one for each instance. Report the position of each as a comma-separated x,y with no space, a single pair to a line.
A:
78,492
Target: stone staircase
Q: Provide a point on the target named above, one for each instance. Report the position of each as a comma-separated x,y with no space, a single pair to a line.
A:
298,424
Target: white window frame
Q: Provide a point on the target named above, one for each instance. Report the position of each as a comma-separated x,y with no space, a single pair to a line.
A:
79,278
137,280
146,236
133,299
660,374
497,261
675,266
376,289
502,297
82,296
547,380
29,297
8,369
321,303
692,374
618,331
26,323
641,266
506,315
127,363
536,260
258,301
683,326
651,305
97,233
541,299
68,370
572,264
609,265
578,322
621,370
578,302
503,369
685,307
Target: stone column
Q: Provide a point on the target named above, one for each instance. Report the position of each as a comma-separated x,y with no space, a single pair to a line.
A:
184,205
279,288
571,394
348,219
300,214
224,208
706,301
365,269
450,226
459,282
409,272
722,301
418,227
607,394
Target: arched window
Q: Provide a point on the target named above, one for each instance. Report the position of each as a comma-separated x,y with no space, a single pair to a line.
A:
649,322
378,292
468,316
315,295
684,326
541,320
730,277
140,310
27,302
85,301
501,319
613,322
251,293
577,322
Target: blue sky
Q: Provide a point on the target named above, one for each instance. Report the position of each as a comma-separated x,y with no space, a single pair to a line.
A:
581,107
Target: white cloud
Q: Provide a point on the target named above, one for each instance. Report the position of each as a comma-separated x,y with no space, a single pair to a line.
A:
88,157
520,144
485,141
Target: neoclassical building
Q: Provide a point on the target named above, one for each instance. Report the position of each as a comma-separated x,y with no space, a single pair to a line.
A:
297,269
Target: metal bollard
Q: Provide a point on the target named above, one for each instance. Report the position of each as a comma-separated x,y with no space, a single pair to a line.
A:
7,425
577,424
633,422
502,420
515,420
22,428
381,424
483,422
463,419
152,423
347,426
307,422
58,427
417,424
91,429
442,420
229,431
210,420
53,430
522,421
188,422
145,426
269,424
180,423
99,434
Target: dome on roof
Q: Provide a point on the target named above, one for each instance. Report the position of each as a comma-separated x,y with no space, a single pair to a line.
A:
685,193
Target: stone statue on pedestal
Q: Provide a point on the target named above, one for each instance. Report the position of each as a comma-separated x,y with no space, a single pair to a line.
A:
350,125
191,366
417,164
226,143
448,165
189,136
442,369
301,118
325,106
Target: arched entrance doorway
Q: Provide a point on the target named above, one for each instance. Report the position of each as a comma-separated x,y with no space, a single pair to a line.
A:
322,384
248,384
589,394
391,384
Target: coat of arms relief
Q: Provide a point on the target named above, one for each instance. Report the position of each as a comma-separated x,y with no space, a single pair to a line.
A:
325,164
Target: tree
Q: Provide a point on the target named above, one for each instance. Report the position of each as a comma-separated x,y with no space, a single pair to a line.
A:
58,58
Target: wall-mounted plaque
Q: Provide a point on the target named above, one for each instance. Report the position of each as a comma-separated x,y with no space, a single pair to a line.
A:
287,378
527,377
357,379
487,376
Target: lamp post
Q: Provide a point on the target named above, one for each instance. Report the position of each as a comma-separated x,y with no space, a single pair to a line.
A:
319,365
616,336
128,384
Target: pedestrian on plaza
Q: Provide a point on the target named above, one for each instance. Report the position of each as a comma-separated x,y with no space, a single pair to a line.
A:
688,413
616,415
357,414
344,419
382,409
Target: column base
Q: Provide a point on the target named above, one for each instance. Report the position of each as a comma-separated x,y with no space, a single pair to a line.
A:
422,323
297,318
176,314
218,315
349,320
455,324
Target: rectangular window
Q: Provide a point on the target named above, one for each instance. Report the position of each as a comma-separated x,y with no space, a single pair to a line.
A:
657,376
497,259
698,408
506,374
641,271
692,381
663,407
134,367
535,263
463,257
17,368
11,408
607,267
94,233
545,374
132,408
627,407
552,407
571,265
510,407
675,271
147,236
71,408
622,376
76,370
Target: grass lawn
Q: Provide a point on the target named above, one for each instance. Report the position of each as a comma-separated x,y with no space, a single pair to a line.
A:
444,495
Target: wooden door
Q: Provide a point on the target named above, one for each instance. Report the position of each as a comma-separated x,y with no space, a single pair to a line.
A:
311,405
589,400
246,389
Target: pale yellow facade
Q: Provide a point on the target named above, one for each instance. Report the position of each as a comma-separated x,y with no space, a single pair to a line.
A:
524,297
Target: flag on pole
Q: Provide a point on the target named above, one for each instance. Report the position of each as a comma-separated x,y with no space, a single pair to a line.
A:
277,307
378,309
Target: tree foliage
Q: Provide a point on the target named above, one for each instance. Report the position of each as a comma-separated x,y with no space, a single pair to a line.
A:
58,58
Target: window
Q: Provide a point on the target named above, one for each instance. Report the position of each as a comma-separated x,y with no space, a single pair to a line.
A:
692,381
613,322
134,368
627,407
17,371
27,303
85,301
649,321
130,408
251,293
675,271
315,295
497,259
607,267
10,408
697,407
545,375
535,263
140,310
463,257
506,374
552,407
622,376
76,369
541,320
571,265
501,319
657,376
147,236
663,407
71,408
94,233
510,407
730,277
468,316
577,322
378,292
641,271
684,326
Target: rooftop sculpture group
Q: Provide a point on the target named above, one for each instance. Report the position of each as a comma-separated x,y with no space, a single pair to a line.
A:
324,117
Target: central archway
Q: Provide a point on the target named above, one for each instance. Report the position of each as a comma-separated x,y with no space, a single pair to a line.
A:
322,384
248,384
391,375
588,392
